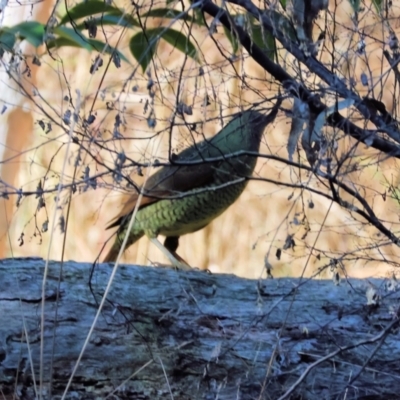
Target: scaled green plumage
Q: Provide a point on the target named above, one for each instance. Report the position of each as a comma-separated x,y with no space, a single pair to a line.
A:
202,191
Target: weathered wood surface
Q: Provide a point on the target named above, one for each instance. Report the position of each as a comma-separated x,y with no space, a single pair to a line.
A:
164,334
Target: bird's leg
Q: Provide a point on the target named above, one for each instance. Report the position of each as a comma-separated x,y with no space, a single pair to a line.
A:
172,256
171,243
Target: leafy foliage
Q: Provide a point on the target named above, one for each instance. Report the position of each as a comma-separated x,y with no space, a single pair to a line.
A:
72,26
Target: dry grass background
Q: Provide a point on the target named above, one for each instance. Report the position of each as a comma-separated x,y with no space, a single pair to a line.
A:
260,221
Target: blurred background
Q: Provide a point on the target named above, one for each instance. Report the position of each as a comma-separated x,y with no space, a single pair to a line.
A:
287,228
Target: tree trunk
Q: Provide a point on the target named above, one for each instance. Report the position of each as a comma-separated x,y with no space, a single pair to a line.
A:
164,334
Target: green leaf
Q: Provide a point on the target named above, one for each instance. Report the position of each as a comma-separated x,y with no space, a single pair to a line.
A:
143,48
73,36
112,19
283,4
31,31
69,37
355,4
7,40
168,13
282,23
62,42
378,5
89,8
199,17
143,45
270,45
103,47
180,41
232,39
265,40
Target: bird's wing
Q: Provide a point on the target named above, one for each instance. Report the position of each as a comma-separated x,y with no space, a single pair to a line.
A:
173,180
167,182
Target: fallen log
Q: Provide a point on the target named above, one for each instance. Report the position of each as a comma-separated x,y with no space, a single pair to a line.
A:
164,334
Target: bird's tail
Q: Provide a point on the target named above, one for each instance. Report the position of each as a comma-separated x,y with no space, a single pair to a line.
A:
112,254
114,251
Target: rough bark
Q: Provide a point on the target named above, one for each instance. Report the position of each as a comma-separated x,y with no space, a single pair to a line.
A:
164,334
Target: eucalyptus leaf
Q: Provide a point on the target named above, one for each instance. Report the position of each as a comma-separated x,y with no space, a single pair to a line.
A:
89,8
113,19
70,37
7,40
280,22
31,31
73,36
168,13
378,5
264,40
143,45
231,36
355,4
180,41
143,48
199,17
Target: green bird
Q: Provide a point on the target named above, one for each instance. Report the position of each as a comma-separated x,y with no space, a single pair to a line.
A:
184,198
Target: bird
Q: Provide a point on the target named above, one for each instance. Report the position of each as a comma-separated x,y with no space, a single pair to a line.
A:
199,184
